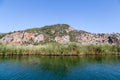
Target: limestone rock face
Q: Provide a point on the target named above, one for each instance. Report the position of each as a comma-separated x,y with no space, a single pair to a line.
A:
22,38
114,39
63,39
39,38
87,38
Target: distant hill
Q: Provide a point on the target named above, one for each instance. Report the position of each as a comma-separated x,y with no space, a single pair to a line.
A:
60,33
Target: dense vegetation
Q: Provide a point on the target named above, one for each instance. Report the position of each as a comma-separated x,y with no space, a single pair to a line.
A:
59,49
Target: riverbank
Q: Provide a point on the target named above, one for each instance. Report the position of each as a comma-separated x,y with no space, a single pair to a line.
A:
55,49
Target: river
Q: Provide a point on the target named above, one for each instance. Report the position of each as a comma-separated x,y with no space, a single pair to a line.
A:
60,68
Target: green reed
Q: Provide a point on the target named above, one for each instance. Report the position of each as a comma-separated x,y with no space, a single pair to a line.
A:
59,49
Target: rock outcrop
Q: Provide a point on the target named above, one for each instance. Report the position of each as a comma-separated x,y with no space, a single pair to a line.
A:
60,33
63,40
38,38
98,38
22,38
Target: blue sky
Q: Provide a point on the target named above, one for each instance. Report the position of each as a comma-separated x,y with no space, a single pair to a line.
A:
95,16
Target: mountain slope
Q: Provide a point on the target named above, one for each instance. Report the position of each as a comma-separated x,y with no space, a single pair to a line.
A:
60,33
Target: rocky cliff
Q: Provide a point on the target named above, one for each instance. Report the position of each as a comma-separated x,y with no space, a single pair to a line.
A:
60,33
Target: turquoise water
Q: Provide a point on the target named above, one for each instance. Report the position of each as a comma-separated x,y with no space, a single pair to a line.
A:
60,68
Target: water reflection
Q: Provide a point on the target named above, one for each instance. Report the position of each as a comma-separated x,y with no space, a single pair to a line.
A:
60,68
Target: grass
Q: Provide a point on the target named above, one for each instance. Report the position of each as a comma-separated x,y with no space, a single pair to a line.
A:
59,49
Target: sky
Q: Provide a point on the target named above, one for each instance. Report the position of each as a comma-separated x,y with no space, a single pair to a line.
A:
96,16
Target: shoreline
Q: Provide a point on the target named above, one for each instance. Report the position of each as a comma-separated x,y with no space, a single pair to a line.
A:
79,55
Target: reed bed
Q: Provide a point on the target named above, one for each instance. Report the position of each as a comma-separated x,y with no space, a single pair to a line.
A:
59,49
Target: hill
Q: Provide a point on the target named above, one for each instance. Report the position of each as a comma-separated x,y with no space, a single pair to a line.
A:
60,33
2,35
